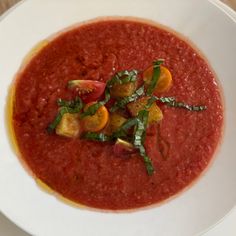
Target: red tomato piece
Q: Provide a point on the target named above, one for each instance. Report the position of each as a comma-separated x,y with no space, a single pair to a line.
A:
88,90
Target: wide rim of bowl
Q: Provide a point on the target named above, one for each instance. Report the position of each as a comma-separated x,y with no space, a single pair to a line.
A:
217,3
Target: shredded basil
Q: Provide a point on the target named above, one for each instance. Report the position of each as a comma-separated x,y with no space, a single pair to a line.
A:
186,106
150,101
147,161
155,76
124,101
134,129
153,99
166,99
138,133
171,101
73,106
139,138
140,124
143,116
97,136
122,131
93,108
123,77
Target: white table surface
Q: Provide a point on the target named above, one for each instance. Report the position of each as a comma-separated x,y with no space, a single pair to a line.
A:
227,227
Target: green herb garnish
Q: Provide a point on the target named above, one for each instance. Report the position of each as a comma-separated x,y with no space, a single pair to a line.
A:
122,131
155,76
186,106
140,124
97,136
73,106
93,108
123,77
153,99
124,101
139,138
171,101
147,161
132,130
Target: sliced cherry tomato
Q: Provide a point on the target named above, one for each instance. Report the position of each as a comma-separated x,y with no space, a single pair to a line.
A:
97,121
88,90
123,148
164,82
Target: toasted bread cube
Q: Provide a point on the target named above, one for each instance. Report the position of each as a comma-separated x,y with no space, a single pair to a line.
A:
123,90
114,123
69,126
155,113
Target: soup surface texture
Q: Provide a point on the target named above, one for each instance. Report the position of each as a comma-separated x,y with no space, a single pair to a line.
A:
88,172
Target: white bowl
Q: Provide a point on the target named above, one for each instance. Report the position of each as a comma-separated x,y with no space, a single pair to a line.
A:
195,210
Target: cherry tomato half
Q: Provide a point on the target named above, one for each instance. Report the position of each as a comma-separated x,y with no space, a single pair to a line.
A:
88,90
97,121
164,82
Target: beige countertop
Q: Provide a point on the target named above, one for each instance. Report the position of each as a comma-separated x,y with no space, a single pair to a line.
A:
5,4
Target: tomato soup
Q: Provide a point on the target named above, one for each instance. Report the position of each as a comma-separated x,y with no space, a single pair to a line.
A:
88,172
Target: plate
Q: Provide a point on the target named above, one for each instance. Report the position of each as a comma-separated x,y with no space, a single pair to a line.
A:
192,212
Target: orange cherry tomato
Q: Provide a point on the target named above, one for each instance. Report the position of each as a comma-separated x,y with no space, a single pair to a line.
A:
97,121
164,82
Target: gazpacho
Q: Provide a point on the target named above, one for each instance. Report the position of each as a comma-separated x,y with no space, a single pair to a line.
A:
117,114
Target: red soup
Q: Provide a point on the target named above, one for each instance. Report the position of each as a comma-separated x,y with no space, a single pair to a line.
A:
86,171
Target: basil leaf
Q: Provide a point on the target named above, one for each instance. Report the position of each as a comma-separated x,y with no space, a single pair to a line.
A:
124,101
140,124
123,77
166,99
97,136
57,119
153,99
73,106
171,101
155,76
93,108
139,139
143,116
122,131
186,106
148,164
